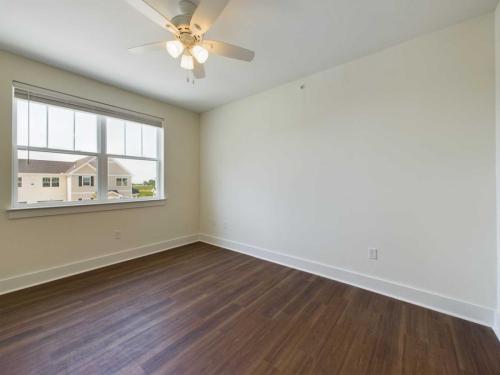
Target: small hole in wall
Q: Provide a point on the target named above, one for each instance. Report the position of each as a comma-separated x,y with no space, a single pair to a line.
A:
303,86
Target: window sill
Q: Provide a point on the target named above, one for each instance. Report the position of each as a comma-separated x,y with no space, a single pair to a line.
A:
24,212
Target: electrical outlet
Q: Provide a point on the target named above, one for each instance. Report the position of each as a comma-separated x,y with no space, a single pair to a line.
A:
117,234
372,253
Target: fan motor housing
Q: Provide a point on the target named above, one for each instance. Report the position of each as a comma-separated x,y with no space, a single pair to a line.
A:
187,37
183,21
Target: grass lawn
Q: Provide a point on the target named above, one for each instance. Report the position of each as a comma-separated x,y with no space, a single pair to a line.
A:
144,190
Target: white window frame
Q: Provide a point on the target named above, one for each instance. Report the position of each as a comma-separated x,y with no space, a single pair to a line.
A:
102,170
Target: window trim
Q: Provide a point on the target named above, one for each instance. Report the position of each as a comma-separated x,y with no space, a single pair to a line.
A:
67,208
102,170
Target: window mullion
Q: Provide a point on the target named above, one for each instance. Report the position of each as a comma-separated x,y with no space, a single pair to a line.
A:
131,157
125,137
160,182
15,167
74,131
102,180
47,118
56,150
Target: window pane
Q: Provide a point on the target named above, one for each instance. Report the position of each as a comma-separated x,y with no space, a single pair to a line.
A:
149,142
115,136
22,122
37,124
54,177
85,132
133,139
61,128
129,178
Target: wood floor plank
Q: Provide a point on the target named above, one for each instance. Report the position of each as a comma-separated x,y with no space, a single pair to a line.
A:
200,309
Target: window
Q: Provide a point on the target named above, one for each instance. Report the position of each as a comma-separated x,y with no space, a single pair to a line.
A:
121,181
97,153
133,171
85,181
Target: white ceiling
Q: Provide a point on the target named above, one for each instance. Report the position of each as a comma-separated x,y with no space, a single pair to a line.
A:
291,38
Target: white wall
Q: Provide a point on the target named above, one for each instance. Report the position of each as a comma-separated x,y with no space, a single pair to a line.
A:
34,244
395,151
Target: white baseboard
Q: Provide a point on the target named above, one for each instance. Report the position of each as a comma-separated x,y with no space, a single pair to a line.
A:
50,274
451,306
496,327
461,309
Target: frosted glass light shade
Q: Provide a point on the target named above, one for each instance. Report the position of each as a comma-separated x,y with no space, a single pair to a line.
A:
175,48
187,62
200,54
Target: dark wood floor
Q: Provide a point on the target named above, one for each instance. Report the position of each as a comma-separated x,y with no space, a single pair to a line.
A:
201,310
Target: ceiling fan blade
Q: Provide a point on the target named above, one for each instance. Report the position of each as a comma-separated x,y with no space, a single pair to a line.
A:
205,15
154,15
228,50
150,47
198,70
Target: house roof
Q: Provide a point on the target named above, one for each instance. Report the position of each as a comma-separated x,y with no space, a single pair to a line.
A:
44,166
67,167
88,160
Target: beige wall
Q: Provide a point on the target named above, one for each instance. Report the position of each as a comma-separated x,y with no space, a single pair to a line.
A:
33,244
395,150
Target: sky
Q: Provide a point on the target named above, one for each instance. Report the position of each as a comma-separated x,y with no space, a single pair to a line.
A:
65,129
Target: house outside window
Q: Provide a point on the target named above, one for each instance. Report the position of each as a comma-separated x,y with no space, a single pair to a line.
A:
103,154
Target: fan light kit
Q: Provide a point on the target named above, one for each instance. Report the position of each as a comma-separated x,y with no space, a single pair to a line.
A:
189,29
187,62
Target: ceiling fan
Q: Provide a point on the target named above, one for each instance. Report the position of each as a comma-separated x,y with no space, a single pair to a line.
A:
189,29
